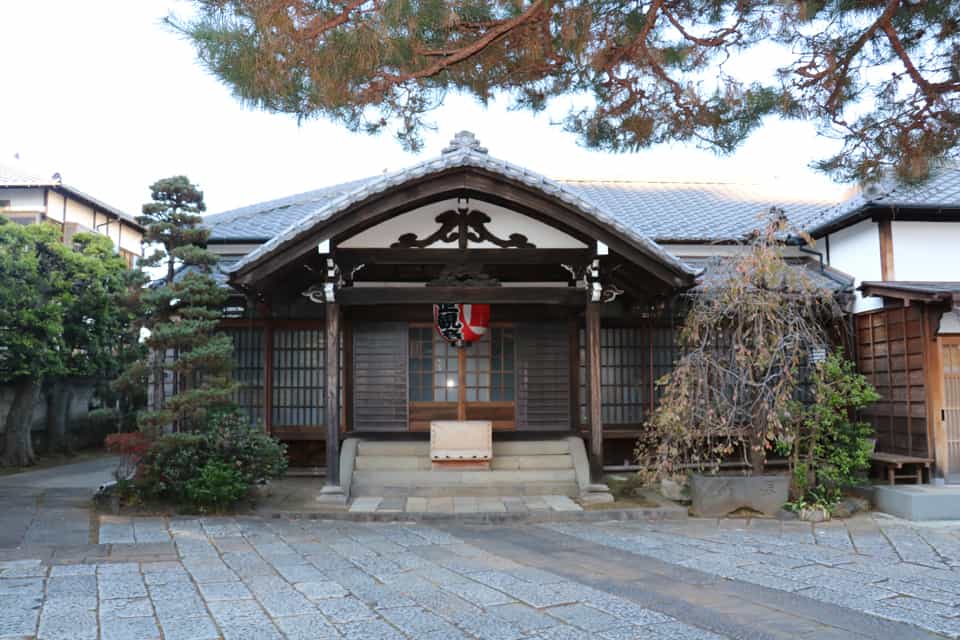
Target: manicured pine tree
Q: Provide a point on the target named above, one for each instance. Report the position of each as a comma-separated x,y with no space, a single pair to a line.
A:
189,362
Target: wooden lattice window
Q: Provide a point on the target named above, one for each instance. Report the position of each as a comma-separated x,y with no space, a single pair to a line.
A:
502,365
489,371
420,361
248,370
632,359
298,377
892,356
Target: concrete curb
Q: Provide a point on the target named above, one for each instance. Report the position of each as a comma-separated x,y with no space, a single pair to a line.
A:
599,515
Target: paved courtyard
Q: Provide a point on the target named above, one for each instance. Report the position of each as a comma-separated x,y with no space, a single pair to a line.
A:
251,578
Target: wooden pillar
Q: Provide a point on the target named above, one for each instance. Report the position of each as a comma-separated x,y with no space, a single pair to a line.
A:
332,391
885,228
593,388
933,381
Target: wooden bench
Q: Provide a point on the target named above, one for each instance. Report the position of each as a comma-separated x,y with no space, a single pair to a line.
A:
894,463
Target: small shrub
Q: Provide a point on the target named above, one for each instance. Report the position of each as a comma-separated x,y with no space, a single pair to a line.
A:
174,461
131,447
252,452
831,448
217,487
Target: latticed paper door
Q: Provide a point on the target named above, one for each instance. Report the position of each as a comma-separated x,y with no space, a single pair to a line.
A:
951,404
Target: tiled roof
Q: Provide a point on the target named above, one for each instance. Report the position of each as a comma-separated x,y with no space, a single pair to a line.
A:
940,191
464,152
264,220
12,177
941,289
692,211
660,210
717,270
680,211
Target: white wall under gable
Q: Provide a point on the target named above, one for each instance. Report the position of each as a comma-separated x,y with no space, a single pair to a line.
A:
422,222
855,250
926,251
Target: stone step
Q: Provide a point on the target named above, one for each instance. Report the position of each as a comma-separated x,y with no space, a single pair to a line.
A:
530,448
392,463
478,491
532,462
503,448
384,448
499,463
461,478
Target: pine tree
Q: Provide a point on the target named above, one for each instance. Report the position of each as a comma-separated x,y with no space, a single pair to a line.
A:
882,75
189,362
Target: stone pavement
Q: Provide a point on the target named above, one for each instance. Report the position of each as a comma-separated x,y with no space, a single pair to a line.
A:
250,578
89,474
253,577
876,565
51,506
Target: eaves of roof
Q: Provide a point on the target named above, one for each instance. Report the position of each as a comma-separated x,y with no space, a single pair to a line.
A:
316,213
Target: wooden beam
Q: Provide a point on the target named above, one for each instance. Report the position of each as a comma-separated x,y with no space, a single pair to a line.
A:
886,250
492,295
332,392
594,397
347,258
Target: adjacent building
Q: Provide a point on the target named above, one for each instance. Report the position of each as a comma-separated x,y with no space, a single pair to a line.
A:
899,241
28,199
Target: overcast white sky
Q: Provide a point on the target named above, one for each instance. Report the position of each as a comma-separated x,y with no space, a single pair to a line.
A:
100,91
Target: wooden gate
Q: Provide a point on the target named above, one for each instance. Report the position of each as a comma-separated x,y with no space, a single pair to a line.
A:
951,402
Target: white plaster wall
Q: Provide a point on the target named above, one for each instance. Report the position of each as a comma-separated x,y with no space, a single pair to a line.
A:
24,199
926,250
423,222
856,251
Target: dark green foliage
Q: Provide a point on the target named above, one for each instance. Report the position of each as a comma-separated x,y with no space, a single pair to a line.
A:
62,317
882,76
831,448
218,487
174,460
181,315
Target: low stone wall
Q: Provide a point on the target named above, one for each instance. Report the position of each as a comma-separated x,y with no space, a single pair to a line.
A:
83,393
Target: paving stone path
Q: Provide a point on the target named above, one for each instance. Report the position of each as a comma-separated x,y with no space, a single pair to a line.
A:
256,578
298,579
882,567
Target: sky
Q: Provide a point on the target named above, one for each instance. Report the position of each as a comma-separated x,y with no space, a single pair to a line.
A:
103,93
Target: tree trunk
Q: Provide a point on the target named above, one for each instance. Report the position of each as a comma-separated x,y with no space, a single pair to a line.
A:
59,397
18,447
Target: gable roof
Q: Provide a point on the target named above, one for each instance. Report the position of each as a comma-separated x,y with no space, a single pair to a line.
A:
661,210
464,152
15,177
940,191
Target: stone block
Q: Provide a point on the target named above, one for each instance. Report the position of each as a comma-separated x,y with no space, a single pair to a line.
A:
919,502
716,496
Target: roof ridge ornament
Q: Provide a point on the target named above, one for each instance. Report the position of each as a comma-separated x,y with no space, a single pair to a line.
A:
464,141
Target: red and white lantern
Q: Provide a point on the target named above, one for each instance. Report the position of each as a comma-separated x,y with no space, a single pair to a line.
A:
461,324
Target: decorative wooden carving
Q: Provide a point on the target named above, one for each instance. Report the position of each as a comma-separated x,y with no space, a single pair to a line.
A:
461,226
449,231
463,275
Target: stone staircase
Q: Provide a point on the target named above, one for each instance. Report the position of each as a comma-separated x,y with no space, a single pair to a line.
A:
518,468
